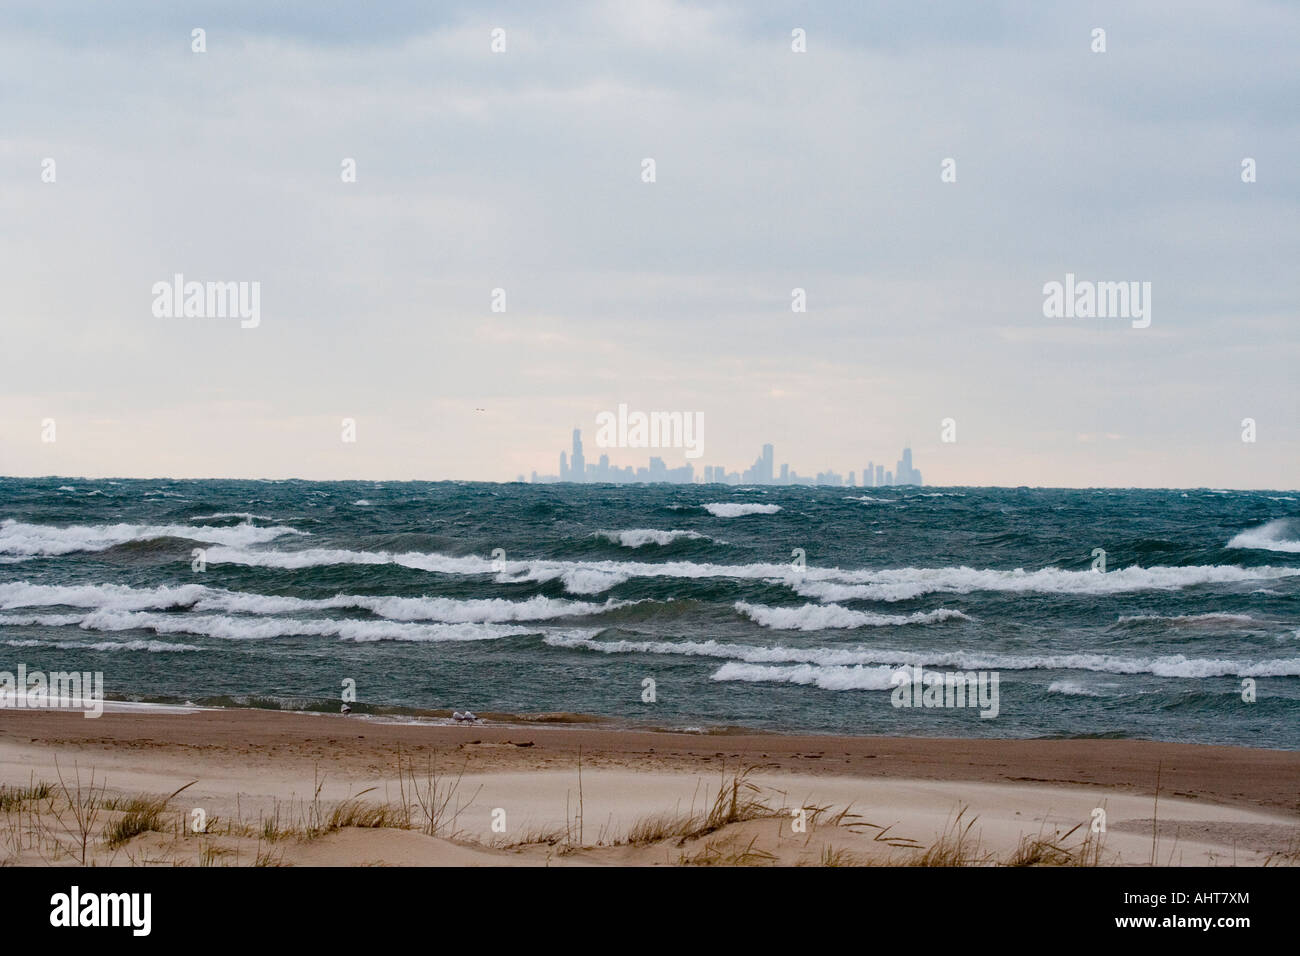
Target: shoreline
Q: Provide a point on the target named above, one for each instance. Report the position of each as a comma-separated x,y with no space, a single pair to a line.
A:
309,789
418,717
1259,778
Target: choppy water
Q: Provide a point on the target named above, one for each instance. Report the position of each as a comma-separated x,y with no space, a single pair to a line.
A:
396,586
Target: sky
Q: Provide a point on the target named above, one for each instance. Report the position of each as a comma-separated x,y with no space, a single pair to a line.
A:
522,170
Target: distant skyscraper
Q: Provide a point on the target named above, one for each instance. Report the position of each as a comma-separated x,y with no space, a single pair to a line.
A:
906,474
880,476
579,468
869,476
768,455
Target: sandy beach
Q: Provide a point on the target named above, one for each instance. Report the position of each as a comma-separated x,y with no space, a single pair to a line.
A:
273,788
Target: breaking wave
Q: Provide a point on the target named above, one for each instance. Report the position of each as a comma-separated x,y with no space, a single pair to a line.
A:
38,540
817,617
640,537
731,509
117,597
1273,536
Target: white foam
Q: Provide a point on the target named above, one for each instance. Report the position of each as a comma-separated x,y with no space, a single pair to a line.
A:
640,537
25,594
152,647
41,620
119,597
861,677
816,617
731,509
907,583
1072,688
1212,617
224,627
1174,666
1274,536
243,515
47,540
827,678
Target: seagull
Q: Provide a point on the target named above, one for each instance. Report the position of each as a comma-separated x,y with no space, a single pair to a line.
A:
345,709
467,716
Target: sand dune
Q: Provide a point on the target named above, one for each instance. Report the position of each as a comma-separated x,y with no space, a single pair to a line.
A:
284,789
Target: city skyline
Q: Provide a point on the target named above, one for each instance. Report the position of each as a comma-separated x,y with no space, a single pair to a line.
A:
574,468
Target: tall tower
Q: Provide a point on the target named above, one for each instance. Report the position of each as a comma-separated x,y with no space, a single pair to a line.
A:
579,466
768,455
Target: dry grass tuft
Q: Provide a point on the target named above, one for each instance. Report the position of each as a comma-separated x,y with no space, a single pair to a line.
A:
12,798
141,814
956,846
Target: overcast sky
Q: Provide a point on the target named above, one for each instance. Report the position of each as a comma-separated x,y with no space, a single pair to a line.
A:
522,170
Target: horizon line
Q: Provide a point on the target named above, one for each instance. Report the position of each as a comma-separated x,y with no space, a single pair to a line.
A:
623,484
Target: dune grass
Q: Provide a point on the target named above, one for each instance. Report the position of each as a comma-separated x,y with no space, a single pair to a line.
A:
140,814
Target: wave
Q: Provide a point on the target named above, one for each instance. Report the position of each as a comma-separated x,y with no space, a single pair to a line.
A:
41,620
223,627
576,580
862,677
826,678
827,584
118,597
152,647
1213,617
1273,536
731,509
1174,666
816,617
242,515
1072,688
908,583
36,540
640,537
